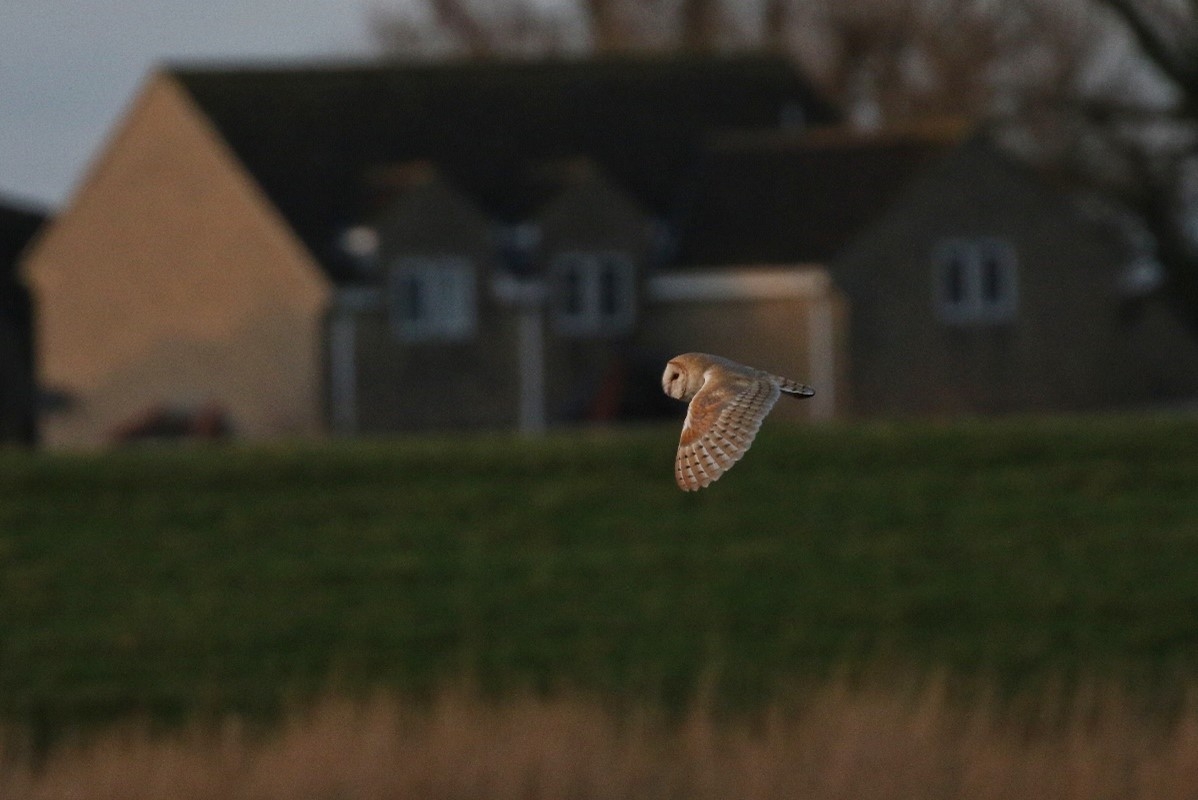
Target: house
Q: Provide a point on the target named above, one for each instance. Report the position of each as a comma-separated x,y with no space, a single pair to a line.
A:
986,287
170,284
972,284
424,345
568,316
293,250
787,196
18,225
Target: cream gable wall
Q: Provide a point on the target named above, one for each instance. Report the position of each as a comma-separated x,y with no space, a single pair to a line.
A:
171,279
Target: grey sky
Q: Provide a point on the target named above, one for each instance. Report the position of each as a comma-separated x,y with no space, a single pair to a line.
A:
69,67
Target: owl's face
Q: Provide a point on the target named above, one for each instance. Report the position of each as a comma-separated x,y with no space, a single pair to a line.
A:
682,378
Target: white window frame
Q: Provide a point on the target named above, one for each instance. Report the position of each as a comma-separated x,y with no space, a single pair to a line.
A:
975,281
582,304
444,306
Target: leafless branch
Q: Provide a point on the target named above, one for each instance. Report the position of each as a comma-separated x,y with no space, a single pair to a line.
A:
1175,58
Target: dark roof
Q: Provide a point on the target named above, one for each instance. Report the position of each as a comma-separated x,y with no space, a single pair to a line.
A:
18,224
310,134
800,197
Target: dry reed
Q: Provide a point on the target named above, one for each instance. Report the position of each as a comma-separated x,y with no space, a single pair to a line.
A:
838,742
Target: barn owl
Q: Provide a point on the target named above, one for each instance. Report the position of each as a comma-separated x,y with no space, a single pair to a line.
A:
728,401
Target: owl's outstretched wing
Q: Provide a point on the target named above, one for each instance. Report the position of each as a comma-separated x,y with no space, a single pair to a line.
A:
721,421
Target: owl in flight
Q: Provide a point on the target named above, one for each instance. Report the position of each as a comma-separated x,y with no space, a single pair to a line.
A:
728,401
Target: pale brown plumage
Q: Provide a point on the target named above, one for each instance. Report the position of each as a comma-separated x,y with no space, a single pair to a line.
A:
728,401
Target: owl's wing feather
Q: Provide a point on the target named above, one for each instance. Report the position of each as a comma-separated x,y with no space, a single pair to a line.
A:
794,387
721,422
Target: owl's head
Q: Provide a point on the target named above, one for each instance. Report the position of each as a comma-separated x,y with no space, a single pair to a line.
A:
683,377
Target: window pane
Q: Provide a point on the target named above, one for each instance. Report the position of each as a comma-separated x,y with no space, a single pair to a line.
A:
433,298
444,305
954,280
573,291
595,293
459,300
975,280
413,305
992,279
610,296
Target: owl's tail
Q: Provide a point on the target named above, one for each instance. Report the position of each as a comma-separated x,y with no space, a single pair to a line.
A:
795,388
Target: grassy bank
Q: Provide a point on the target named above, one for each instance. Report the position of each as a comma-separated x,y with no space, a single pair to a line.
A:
169,582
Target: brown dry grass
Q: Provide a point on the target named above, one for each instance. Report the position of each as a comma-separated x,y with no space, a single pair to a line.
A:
839,742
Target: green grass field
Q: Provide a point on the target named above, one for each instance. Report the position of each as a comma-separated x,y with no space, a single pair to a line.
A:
170,582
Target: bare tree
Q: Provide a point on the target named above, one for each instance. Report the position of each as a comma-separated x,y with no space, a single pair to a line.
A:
887,60
882,59
520,28
1159,141
1103,91
438,29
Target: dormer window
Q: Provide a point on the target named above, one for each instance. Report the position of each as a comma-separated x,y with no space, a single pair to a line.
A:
433,298
975,281
594,293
